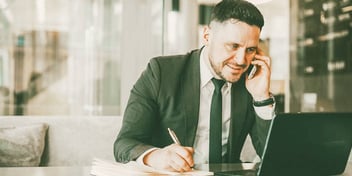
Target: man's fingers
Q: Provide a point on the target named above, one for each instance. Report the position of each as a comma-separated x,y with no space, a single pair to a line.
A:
266,59
262,64
186,153
173,158
189,157
178,163
261,56
184,157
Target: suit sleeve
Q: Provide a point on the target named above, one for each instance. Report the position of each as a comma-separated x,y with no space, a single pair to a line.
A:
259,133
139,117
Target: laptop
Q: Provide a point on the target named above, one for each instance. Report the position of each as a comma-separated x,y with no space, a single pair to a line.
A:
305,144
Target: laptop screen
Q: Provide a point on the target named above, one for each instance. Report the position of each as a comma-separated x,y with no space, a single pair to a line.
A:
307,144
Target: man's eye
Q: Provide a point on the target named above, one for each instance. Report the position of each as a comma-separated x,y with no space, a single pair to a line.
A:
235,46
251,50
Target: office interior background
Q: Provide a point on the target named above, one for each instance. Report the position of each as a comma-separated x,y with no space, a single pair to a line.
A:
82,57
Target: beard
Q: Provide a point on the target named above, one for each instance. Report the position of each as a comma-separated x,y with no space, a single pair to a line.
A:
227,76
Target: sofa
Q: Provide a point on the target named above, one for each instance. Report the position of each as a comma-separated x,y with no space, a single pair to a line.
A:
69,140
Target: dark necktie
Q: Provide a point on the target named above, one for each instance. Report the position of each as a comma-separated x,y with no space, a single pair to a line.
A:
216,123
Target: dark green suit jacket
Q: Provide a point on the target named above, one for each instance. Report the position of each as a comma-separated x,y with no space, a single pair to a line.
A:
167,96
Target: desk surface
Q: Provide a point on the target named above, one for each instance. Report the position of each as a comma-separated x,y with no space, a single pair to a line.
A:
85,171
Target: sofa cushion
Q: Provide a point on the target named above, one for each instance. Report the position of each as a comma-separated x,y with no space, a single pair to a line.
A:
22,145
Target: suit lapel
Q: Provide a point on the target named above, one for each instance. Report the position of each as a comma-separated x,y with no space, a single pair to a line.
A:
191,96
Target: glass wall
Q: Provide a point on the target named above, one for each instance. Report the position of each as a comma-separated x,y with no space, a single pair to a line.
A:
321,58
65,57
82,57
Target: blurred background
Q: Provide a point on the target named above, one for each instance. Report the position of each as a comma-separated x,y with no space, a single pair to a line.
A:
82,57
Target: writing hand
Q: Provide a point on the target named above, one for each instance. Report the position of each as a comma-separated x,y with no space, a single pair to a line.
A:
172,158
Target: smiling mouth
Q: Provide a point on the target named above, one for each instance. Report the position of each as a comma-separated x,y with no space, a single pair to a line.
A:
234,67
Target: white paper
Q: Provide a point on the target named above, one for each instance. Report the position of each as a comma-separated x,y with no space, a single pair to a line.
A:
107,168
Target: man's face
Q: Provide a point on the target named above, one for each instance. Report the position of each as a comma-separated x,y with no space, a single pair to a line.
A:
232,46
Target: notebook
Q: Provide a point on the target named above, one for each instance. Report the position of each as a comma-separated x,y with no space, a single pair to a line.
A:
305,144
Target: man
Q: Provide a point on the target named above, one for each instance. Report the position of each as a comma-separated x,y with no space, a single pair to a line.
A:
177,92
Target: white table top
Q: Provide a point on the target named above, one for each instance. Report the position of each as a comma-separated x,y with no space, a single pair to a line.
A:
85,171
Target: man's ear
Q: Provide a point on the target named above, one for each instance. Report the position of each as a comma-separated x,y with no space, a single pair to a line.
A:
206,33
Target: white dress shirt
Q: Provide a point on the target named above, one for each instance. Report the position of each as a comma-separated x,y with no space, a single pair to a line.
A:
201,144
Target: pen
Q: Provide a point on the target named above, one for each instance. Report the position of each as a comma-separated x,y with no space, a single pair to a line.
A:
173,136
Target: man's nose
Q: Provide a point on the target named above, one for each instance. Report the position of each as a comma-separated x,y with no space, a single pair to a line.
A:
239,57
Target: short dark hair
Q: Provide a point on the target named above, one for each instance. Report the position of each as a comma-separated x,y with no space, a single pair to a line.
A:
237,9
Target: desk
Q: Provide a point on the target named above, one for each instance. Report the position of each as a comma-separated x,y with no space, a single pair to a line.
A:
243,166
85,171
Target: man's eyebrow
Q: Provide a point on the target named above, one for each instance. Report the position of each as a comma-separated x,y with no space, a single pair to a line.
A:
232,43
238,43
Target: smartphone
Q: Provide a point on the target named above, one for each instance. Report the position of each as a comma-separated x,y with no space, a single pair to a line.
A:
253,68
252,72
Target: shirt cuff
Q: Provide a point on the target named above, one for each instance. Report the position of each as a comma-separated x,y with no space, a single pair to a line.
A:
141,157
265,112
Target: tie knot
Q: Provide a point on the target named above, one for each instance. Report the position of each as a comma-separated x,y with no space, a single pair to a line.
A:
218,83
